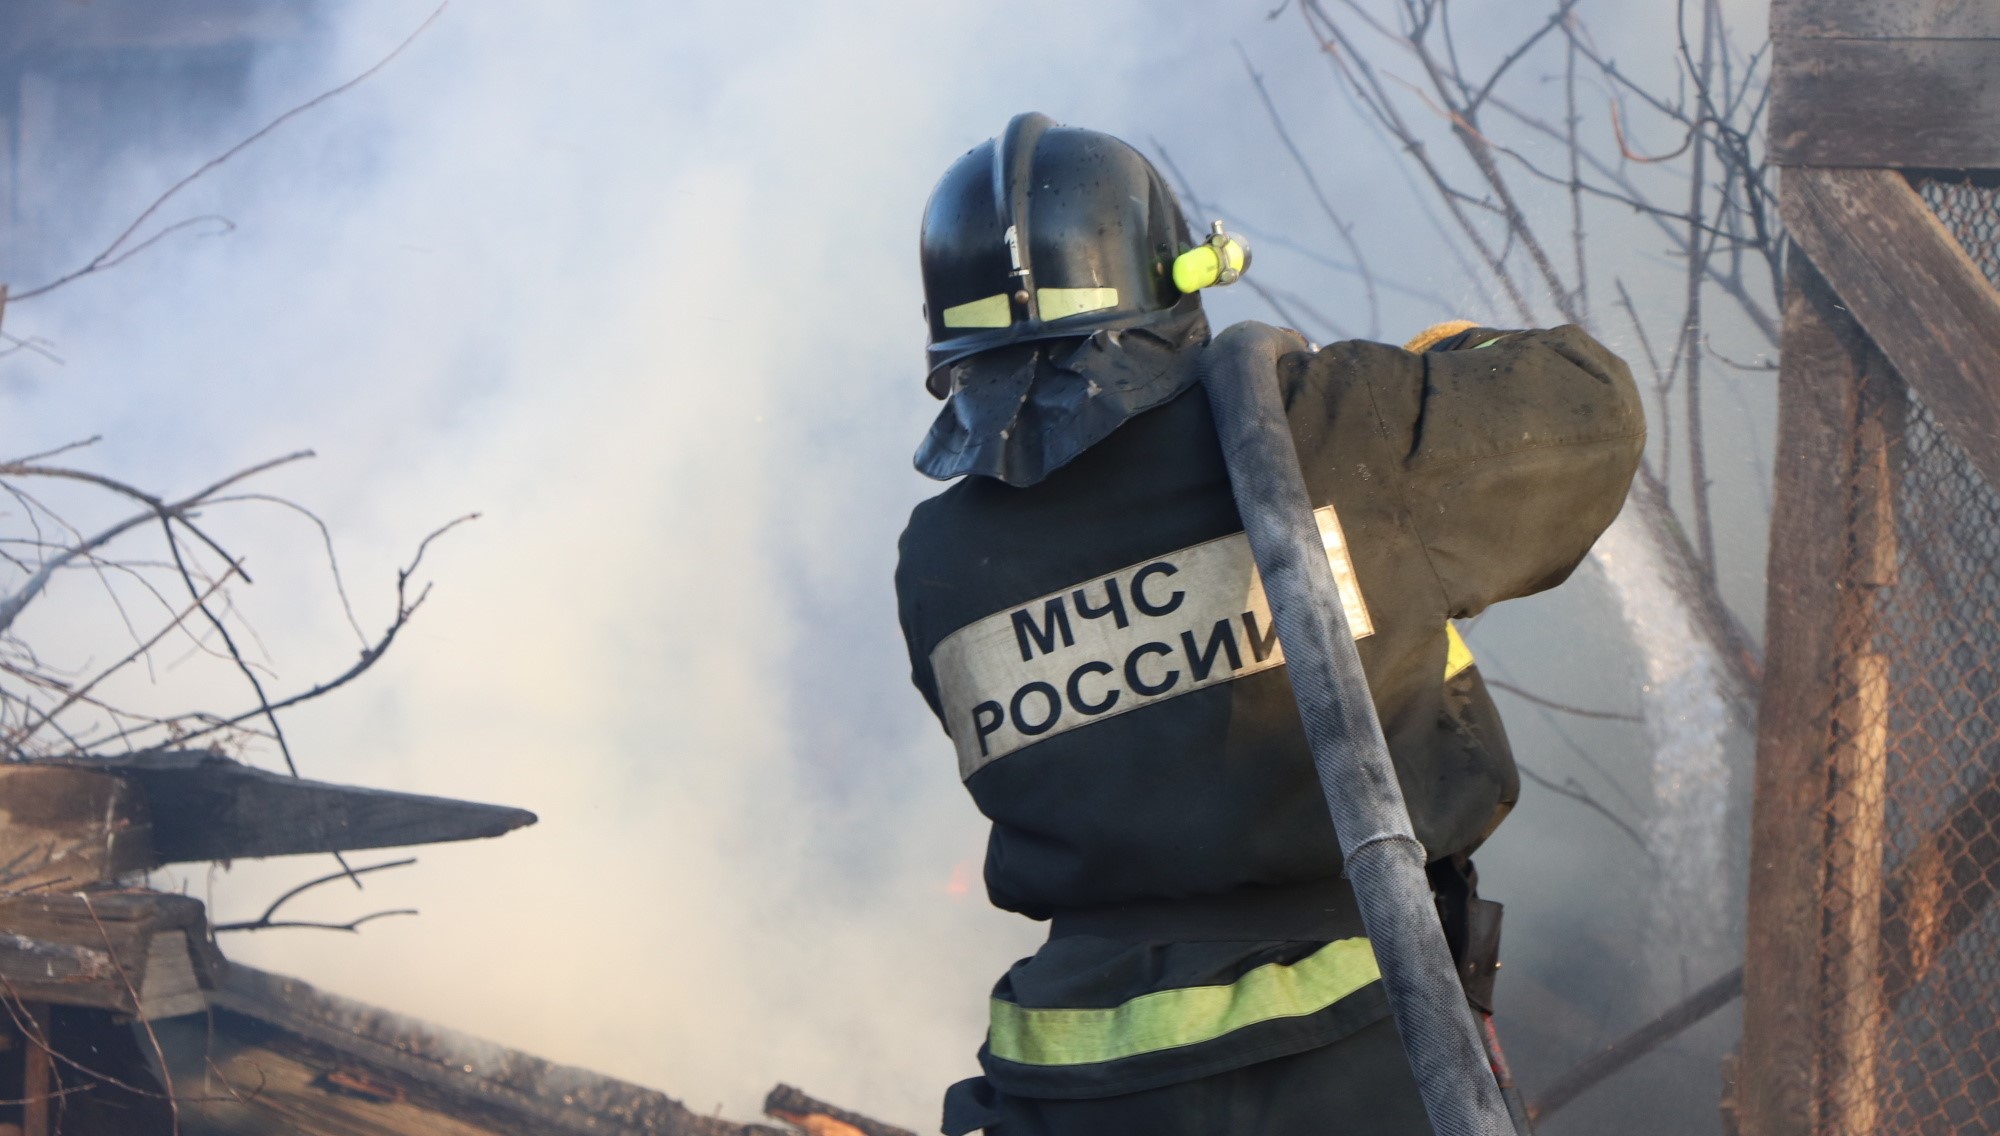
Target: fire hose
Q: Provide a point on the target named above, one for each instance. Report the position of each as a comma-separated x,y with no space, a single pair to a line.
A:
1383,859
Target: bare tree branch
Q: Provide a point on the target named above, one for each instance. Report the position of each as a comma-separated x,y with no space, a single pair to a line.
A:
1563,707
1344,228
405,608
267,920
1354,68
116,252
1576,792
11,607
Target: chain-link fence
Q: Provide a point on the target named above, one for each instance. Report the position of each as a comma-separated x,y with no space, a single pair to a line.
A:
1910,1026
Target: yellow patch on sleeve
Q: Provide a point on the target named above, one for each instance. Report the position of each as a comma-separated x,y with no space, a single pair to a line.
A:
1457,656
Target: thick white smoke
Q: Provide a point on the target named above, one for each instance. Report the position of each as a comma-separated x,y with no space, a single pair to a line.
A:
639,284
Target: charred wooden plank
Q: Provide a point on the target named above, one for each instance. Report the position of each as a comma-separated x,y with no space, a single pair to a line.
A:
1911,285
69,828
299,1037
1901,103
37,1070
205,806
1886,19
819,1118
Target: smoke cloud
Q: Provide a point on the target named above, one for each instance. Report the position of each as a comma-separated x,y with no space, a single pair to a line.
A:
638,285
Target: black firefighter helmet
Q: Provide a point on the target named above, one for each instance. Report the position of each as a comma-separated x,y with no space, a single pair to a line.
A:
1051,231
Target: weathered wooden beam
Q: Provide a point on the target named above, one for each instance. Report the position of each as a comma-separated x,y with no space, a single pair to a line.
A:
1931,103
431,1072
1912,287
1821,365
37,1069
818,1118
1886,19
207,807
69,828
135,952
1855,1004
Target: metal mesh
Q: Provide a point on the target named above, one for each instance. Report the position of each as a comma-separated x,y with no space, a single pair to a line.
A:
1910,1026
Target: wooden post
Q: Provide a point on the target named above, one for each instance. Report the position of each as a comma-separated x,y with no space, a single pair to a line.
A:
1856,1002
1819,382
38,1070
1860,90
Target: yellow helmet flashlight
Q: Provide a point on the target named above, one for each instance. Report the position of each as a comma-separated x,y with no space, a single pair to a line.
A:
1218,261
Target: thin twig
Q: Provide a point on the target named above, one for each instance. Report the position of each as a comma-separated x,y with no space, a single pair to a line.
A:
352,925
326,541
264,920
11,607
112,254
66,447
405,608
1342,227
1561,16
1563,707
1691,326
229,641
1354,69
1577,236
1580,795
139,1010
13,742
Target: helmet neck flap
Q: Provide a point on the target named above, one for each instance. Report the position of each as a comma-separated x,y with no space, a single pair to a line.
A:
1019,413
1048,257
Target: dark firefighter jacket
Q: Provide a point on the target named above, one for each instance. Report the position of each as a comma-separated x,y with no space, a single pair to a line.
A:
1100,653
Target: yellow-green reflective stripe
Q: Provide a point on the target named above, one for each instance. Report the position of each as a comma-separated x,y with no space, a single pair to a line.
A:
1457,656
1187,1016
1061,303
993,311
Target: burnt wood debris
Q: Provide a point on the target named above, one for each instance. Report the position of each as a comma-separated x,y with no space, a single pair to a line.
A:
122,1016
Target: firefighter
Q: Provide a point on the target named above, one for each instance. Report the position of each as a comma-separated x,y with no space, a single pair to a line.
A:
1083,615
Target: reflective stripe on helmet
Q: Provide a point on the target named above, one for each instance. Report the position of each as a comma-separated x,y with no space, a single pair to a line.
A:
1059,303
993,311
1167,1019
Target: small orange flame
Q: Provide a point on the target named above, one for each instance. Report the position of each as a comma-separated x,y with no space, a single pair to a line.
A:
960,883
